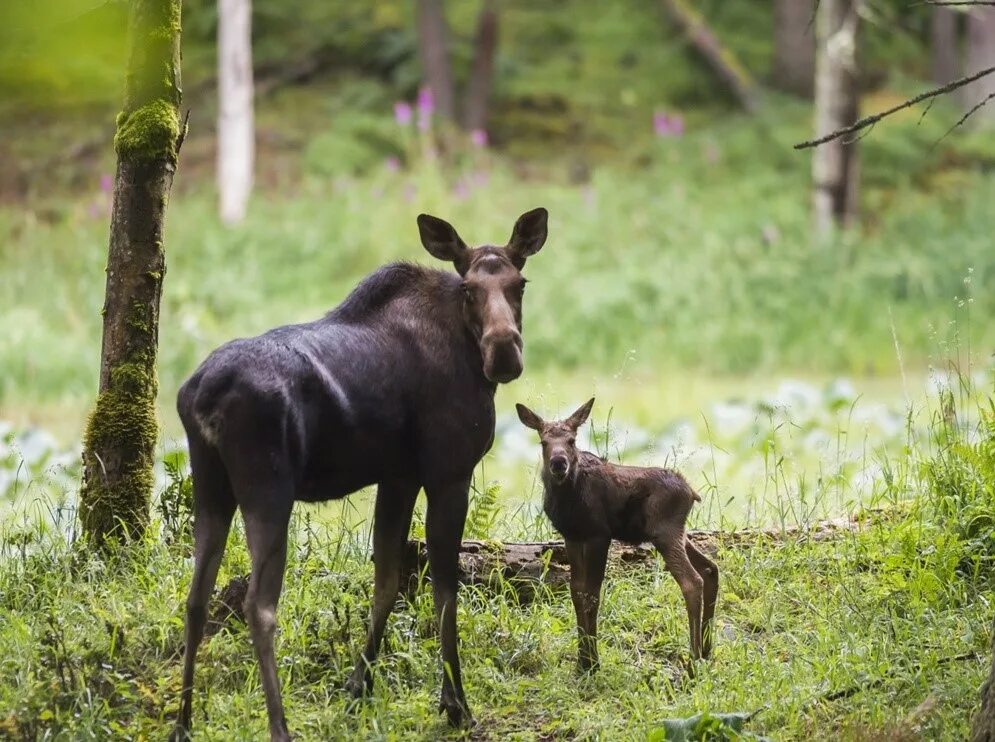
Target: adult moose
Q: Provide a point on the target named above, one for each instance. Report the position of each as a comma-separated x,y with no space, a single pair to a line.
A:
394,387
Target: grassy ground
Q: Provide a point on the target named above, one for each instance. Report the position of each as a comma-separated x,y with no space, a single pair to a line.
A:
878,634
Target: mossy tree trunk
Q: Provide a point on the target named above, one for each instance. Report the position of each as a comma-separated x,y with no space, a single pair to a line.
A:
119,442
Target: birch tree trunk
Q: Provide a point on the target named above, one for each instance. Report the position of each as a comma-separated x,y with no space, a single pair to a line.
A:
794,47
236,128
943,43
834,164
980,54
433,42
478,90
120,437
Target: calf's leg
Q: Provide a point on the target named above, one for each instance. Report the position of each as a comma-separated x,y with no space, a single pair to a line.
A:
587,572
671,546
444,521
709,572
391,522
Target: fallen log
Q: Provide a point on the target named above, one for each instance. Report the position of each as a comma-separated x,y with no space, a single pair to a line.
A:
526,570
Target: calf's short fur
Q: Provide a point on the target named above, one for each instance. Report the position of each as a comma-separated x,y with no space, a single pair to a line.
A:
591,501
394,387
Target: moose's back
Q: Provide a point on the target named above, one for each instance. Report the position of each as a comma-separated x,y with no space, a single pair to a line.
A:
364,394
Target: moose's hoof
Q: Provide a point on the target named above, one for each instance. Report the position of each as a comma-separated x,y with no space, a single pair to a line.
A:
359,685
179,734
587,665
457,713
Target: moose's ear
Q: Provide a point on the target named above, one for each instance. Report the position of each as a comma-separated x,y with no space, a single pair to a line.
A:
528,417
580,416
528,236
442,242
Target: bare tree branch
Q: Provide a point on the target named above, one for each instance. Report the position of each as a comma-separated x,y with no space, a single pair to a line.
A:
948,3
873,119
966,116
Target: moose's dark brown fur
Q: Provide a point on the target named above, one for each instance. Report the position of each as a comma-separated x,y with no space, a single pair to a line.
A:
591,501
395,387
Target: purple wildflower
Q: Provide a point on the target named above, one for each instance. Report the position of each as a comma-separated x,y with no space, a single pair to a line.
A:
426,106
392,164
667,126
402,113
461,189
479,138
106,183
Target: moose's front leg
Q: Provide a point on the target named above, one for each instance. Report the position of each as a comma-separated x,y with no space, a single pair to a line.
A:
444,520
587,572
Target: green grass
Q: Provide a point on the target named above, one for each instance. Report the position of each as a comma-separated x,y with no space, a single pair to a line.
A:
90,648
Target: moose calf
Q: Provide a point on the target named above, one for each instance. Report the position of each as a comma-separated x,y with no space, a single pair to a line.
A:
591,501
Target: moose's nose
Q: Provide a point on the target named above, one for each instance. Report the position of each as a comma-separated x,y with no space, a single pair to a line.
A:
558,465
502,355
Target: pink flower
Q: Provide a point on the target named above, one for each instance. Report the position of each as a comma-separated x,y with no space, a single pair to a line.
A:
479,138
402,113
106,183
95,210
667,126
461,189
392,164
426,106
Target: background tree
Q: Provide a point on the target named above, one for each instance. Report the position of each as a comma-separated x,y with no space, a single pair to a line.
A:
943,42
794,47
478,89
980,53
433,47
236,130
834,165
119,442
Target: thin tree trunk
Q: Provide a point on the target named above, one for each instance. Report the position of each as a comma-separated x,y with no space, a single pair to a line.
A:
794,47
236,131
478,90
943,40
119,442
720,59
980,54
834,165
433,40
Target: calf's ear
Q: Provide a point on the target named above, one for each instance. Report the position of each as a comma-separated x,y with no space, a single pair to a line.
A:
442,241
580,416
528,236
528,417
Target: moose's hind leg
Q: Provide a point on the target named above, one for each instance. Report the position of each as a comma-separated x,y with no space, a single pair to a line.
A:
214,508
266,508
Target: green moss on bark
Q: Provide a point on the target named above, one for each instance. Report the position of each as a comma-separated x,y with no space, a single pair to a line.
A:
148,132
120,439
